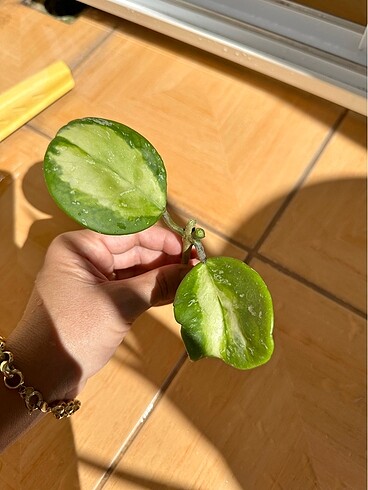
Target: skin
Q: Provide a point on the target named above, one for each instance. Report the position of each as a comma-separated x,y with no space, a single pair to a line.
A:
86,297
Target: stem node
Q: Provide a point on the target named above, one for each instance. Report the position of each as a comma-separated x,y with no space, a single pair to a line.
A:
191,236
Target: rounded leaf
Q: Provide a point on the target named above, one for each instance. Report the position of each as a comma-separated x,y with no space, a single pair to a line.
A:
225,310
106,176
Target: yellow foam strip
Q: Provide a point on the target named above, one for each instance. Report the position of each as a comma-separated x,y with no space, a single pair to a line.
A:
31,96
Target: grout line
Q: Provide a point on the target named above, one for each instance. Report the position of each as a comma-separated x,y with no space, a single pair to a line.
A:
298,184
89,53
309,284
38,131
76,66
142,420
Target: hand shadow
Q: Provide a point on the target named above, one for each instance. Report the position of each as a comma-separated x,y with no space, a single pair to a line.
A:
218,400
237,411
42,231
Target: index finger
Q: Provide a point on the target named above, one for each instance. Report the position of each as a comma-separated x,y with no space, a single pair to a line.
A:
108,252
155,238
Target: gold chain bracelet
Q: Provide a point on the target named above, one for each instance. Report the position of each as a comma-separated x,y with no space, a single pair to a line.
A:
33,399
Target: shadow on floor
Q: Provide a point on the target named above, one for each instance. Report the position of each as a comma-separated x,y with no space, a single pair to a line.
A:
198,389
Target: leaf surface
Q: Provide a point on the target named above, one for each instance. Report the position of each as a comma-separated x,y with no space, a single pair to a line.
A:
106,176
225,311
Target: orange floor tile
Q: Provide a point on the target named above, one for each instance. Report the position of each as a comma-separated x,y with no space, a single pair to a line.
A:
206,124
293,423
277,178
322,233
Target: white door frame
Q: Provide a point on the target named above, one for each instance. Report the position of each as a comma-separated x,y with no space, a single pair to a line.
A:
316,52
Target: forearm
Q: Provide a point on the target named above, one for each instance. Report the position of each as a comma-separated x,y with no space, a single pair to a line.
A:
79,313
44,365
14,417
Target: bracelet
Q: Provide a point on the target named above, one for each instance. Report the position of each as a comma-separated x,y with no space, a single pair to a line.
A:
33,399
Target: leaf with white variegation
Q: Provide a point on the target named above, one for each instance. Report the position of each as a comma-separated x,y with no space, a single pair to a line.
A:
225,311
106,176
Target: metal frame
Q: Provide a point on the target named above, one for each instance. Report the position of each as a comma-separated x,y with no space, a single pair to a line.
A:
316,52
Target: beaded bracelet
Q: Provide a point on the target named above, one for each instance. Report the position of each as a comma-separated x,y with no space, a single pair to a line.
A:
33,399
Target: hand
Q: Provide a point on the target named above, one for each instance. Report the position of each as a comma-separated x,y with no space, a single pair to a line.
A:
87,295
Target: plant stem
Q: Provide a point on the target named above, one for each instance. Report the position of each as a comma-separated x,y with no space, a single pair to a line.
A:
187,241
200,251
171,223
190,236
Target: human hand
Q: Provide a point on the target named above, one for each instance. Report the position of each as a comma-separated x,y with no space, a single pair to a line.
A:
87,295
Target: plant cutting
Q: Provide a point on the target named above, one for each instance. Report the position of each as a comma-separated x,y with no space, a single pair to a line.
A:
111,179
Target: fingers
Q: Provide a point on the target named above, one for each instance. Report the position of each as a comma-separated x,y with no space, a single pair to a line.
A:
167,280
156,287
155,246
80,250
155,238
132,268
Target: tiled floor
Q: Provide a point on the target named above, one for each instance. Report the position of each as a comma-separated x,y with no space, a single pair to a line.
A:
277,178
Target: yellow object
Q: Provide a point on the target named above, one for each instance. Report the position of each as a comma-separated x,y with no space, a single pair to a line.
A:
28,98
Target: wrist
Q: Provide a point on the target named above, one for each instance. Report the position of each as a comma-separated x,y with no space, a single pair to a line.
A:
14,418
45,365
36,370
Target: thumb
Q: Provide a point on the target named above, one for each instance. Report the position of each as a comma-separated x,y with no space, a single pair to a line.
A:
165,281
156,287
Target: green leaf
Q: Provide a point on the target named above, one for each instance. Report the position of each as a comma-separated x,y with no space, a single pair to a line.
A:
225,311
106,176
